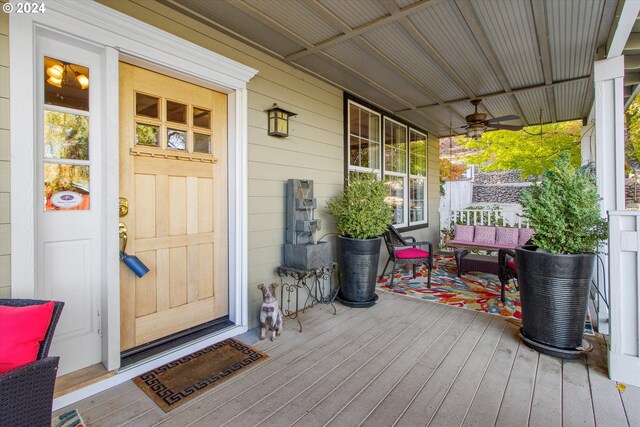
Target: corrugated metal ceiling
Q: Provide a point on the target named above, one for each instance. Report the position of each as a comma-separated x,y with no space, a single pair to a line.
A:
426,59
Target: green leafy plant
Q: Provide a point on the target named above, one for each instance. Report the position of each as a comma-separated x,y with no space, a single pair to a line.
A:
361,210
564,209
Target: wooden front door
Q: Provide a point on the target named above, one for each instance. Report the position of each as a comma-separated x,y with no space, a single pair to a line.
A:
173,173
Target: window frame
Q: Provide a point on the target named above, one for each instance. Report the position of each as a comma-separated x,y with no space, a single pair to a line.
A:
381,172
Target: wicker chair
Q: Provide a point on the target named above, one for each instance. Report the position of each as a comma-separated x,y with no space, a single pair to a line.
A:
405,250
507,270
26,392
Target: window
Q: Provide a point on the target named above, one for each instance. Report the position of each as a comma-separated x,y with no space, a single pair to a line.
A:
395,152
66,165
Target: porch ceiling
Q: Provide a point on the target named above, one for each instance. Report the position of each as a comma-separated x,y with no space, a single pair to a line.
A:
424,60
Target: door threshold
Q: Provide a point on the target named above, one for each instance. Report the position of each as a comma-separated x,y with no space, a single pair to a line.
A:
84,377
114,378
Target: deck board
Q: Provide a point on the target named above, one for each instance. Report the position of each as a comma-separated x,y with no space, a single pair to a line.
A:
401,361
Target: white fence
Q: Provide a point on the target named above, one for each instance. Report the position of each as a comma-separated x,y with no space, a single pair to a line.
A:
492,215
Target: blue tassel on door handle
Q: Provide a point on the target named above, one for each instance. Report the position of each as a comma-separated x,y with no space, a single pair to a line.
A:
134,263
131,261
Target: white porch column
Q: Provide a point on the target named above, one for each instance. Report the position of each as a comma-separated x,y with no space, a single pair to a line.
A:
609,117
623,256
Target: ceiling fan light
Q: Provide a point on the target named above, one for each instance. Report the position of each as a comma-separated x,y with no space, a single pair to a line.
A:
475,131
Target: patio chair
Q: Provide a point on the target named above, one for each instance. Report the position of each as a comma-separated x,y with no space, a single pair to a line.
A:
406,250
507,270
26,392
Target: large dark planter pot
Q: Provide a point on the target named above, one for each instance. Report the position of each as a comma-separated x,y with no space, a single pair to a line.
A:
554,291
358,263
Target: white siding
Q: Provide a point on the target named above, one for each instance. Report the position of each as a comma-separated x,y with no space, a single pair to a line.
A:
5,212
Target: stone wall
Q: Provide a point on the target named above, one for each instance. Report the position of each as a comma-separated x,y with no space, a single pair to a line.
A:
506,177
498,193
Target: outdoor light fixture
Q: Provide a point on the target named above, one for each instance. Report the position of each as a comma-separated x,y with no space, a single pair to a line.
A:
279,121
475,131
63,75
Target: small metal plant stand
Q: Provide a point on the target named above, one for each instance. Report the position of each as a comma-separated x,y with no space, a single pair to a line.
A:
316,281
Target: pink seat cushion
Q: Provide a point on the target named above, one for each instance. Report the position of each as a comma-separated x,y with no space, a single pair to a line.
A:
511,264
411,253
525,234
464,233
507,237
485,234
21,330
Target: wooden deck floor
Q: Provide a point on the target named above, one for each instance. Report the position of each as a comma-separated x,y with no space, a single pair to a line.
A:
402,362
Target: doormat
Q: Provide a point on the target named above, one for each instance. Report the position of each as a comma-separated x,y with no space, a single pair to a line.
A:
179,381
68,419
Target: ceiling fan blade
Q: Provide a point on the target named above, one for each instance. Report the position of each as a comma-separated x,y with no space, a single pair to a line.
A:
505,127
502,119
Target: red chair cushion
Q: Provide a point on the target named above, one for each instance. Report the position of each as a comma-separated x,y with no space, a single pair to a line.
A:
411,253
511,264
22,329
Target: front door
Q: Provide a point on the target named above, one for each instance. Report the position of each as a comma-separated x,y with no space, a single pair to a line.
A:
173,175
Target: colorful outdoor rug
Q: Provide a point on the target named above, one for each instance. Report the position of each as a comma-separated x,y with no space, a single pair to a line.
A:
473,291
179,381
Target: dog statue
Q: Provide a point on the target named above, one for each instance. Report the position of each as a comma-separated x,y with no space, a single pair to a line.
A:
270,313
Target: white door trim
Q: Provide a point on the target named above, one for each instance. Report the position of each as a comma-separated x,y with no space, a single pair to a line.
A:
119,35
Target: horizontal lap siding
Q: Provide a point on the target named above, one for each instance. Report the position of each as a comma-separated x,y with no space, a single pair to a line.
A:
313,151
5,183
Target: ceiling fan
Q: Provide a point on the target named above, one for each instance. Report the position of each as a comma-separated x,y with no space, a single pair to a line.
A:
477,123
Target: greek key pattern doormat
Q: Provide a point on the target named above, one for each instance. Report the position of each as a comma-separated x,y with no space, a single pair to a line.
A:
179,381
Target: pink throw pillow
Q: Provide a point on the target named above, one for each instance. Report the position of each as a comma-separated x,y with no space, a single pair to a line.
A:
464,233
507,237
485,235
21,330
525,235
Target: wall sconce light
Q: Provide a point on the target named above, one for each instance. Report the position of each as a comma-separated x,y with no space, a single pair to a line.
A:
279,121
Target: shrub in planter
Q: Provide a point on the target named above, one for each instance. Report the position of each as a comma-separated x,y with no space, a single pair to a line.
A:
555,272
362,215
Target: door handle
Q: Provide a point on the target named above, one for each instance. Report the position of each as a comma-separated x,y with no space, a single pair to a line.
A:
123,207
122,228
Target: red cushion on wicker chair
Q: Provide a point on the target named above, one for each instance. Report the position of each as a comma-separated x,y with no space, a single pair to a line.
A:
511,264
22,329
411,253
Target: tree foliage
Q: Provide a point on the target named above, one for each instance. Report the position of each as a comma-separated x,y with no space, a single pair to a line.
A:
564,209
632,116
450,171
525,150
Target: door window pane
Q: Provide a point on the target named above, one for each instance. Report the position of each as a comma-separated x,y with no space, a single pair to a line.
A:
176,112
201,143
66,187
202,118
66,136
66,84
147,106
146,135
176,139
416,200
